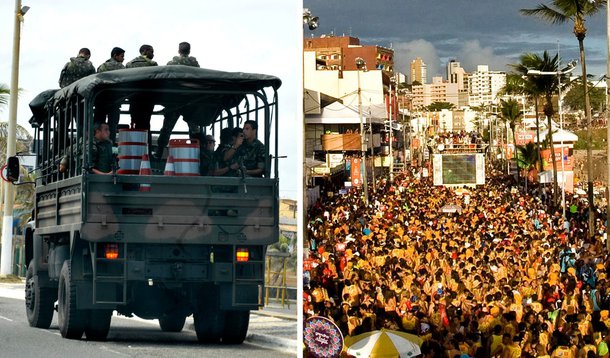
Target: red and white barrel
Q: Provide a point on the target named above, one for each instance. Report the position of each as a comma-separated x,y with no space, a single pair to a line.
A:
133,144
186,156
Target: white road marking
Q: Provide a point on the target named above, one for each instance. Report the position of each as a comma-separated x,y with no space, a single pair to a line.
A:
106,349
6,319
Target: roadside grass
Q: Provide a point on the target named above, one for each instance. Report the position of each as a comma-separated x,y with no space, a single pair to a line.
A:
598,139
10,279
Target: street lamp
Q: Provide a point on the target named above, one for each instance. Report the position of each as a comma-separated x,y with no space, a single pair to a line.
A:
6,260
566,70
309,20
361,66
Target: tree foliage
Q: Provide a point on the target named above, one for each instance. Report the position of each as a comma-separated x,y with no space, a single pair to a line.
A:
438,106
575,100
4,95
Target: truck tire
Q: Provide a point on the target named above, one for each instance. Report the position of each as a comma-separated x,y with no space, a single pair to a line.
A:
172,323
236,327
71,321
99,324
209,325
38,301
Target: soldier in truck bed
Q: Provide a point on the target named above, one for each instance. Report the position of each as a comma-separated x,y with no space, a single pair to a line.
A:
252,153
102,150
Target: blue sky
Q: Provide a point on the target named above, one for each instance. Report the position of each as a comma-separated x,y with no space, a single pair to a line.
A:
262,36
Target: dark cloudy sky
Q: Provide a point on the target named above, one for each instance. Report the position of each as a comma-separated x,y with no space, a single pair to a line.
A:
491,32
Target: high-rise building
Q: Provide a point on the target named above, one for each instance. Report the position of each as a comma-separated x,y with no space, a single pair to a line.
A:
484,85
456,74
419,71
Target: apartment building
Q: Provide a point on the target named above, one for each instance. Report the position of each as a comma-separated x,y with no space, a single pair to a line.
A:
484,85
419,71
339,53
437,91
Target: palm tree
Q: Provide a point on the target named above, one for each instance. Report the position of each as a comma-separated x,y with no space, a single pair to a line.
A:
545,86
527,156
4,92
559,12
511,114
518,83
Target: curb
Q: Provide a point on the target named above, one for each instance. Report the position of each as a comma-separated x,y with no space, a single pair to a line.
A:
279,342
264,339
276,314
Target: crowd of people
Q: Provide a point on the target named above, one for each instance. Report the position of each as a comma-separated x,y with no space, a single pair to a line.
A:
478,272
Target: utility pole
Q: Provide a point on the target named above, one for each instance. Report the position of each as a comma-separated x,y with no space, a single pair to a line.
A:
608,126
6,260
360,65
391,130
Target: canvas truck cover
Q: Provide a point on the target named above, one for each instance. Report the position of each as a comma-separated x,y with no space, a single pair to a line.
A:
226,89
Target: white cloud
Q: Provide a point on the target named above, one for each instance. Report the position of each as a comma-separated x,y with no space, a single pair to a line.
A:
405,52
472,54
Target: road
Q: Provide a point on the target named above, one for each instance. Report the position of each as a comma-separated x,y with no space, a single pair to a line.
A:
268,335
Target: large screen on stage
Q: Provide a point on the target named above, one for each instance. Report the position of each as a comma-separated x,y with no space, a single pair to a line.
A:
459,169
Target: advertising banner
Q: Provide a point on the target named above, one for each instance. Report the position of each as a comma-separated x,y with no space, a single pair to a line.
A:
356,175
568,160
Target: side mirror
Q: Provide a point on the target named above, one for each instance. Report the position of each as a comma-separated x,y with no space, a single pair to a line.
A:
12,169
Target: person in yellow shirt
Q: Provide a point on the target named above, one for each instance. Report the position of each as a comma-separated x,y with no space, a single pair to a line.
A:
496,345
511,349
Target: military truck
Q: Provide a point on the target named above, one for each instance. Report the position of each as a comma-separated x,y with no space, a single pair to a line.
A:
187,245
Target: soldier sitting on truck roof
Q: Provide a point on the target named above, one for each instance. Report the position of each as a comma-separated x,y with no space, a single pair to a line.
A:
102,150
171,117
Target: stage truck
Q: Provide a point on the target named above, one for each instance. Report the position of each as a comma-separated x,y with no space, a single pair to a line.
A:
137,241
458,165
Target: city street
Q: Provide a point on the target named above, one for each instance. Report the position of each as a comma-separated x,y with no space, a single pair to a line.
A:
269,334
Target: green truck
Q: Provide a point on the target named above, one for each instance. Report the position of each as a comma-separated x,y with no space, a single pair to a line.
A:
187,244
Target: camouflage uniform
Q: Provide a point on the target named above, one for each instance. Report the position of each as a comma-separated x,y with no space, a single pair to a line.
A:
252,156
112,111
207,162
140,108
140,61
219,160
110,65
170,118
77,68
184,60
102,155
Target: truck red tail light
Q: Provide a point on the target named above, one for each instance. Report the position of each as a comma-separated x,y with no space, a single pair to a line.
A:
111,251
242,254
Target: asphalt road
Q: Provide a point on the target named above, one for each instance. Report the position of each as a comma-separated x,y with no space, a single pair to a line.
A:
133,337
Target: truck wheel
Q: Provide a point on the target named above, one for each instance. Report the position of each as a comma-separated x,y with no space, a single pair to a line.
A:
71,321
99,324
38,301
172,323
209,325
236,327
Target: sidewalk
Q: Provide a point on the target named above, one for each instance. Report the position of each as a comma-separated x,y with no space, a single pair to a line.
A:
275,309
